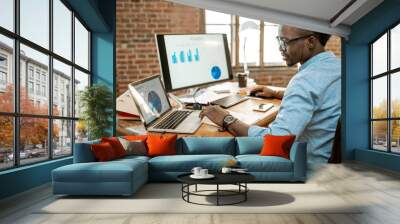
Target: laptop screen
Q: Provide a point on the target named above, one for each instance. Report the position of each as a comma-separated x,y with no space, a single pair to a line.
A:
150,98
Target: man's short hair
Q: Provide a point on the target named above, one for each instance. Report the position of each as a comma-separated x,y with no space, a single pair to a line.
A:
322,37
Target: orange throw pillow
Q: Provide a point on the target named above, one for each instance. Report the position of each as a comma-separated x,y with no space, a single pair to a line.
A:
103,152
135,137
161,145
116,145
277,145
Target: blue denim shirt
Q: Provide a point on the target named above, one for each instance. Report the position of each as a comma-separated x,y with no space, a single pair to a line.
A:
310,107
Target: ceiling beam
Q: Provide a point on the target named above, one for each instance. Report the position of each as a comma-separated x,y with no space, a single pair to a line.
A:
346,12
270,15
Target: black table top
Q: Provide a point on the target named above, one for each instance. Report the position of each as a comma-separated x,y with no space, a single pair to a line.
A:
220,178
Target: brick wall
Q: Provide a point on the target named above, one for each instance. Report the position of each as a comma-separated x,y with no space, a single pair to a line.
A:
335,45
139,20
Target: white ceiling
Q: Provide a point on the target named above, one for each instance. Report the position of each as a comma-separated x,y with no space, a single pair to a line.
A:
324,16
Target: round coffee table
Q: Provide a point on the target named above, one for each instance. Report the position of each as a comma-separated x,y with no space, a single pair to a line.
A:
238,179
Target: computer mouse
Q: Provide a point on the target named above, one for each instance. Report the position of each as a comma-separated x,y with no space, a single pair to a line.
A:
253,94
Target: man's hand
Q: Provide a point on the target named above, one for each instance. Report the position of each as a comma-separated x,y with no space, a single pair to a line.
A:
263,91
215,113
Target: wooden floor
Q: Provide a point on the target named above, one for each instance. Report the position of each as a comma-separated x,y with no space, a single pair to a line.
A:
377,188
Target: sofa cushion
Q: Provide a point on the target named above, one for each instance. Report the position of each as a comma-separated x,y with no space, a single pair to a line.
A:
257,163
116,145
134,147
185,163
161,145
249,145
206,145
103,152
277,145
112,171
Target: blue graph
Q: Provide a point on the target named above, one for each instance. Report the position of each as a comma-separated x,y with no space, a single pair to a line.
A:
174,58
215,72
154,102
188,56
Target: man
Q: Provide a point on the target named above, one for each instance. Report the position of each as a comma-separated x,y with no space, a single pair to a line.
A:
310,106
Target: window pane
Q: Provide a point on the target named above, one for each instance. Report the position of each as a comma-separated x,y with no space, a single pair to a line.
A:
81,81
7,14
395,47
62,89
213,17
62,138
379,56
395,136
379,97
62,29
6,142
35,21
81,45
271,46
395,95
249,34
379,135
226,29
33,140
6,74
81,131
34,72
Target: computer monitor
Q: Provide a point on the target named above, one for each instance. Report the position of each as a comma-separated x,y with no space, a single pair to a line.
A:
192,60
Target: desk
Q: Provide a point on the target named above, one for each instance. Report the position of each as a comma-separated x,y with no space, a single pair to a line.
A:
263,119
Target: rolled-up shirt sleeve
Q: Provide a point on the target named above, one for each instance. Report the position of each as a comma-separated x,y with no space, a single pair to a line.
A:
296,111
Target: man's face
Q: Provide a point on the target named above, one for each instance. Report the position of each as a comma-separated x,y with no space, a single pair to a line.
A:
294,49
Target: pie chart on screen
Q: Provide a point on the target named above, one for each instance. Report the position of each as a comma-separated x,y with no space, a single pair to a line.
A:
215,72
154,101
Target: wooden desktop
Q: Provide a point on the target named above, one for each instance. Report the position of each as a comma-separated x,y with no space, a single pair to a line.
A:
127,127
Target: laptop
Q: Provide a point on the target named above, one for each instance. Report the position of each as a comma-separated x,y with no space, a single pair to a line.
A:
156,111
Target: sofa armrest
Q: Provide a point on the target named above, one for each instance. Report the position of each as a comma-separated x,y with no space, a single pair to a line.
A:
83,152
298,155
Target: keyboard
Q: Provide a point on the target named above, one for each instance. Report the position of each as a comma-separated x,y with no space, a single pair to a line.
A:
229,101
173,119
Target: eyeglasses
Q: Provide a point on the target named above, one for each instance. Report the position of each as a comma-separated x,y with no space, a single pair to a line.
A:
284,42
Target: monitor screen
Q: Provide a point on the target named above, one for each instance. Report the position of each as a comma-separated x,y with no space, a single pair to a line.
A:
150,98
193,60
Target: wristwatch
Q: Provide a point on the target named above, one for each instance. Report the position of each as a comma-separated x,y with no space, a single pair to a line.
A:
228,120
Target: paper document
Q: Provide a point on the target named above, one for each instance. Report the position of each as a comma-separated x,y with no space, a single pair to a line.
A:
202,98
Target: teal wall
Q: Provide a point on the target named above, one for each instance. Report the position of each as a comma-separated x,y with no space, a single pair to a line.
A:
99,15
103,54
356,99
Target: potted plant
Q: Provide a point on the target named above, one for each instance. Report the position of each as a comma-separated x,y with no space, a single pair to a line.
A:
96,104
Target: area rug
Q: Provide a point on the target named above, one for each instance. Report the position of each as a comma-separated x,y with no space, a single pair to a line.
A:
167,198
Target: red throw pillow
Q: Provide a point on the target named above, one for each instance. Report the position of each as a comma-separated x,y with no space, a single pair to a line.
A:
103,152
116,145
277,145
161,145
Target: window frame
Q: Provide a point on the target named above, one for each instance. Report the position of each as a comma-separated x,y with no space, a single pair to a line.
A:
235,44
16,114
388,74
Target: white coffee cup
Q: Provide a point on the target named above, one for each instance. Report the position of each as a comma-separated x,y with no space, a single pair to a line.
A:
226,170
203,172
196,171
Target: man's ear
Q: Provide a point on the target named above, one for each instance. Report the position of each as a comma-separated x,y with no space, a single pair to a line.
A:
311,42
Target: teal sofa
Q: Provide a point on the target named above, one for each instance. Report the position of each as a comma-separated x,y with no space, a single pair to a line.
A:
125,176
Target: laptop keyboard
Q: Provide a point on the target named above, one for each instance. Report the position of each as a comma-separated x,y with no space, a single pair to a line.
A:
173,120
